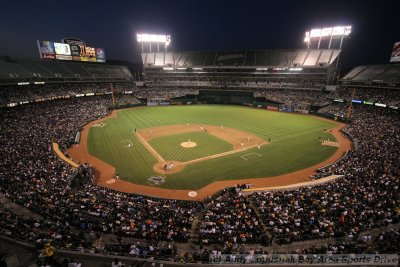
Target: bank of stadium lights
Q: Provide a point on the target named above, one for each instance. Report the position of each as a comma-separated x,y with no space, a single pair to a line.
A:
153,39
337,32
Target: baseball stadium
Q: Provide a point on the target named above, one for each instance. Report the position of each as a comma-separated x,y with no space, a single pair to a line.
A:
198,157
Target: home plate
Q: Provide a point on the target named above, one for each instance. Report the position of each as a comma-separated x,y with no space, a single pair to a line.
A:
192,194
110,181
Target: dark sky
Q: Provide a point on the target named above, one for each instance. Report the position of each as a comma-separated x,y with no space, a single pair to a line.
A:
199,25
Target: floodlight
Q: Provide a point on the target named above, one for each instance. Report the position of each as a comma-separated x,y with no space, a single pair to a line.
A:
337,32
315,33
326,32
153,38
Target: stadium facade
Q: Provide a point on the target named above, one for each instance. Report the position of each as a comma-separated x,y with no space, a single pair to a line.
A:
307,67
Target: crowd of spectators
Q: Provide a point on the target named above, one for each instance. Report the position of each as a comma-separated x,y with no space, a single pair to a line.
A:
33,176
379,95
41,92
294,97
382,242
150,93
371,174
231,220
270,83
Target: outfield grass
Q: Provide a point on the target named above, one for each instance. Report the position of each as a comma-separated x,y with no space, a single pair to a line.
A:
169,147
294,143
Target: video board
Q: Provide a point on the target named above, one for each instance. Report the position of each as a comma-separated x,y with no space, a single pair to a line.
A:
70,49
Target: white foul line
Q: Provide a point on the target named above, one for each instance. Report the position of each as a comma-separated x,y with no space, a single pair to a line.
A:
149,147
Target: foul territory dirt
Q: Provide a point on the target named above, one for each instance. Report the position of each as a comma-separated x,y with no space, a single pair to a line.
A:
106,172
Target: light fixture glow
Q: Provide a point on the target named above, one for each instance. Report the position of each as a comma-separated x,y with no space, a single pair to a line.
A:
153,38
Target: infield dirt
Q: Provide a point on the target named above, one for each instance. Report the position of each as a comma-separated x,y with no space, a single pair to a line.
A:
240,141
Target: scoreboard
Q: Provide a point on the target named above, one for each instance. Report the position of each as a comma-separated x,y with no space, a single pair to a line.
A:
70,49
395,57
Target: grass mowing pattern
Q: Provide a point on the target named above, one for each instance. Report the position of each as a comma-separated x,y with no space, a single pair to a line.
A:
169,147
294,143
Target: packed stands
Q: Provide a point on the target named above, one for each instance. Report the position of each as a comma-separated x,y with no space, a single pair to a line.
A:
42,183
12,95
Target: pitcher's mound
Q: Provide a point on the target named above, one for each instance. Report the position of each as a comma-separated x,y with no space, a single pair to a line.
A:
188,144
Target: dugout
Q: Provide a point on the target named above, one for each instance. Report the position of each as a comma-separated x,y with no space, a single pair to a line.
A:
225,97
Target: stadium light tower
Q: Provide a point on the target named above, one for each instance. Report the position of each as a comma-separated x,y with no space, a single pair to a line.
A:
337,32
154,38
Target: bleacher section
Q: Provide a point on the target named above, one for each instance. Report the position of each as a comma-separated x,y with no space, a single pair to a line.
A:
299,69
373,75
16,70
14,95
268,58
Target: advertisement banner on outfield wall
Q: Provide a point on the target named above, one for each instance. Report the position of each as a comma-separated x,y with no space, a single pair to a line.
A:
272,108
152,103
287,108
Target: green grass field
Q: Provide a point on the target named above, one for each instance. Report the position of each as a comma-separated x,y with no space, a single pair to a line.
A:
294,144
169,147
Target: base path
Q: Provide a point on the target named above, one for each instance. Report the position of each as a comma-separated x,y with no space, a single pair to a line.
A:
105,172
237,138
240,141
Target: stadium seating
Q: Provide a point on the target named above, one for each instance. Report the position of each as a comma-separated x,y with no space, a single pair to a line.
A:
25,70
270,58
381,73
11,95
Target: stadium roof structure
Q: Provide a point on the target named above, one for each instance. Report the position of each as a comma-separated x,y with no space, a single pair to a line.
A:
373,75
303,58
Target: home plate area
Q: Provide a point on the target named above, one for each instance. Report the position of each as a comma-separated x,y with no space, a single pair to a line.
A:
251,156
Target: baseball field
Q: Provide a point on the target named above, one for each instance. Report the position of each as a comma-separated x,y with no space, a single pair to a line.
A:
189,147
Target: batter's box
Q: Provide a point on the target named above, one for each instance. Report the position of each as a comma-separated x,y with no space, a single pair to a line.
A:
251,156
127,143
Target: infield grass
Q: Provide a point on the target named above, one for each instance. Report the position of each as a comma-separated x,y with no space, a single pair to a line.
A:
294,143
169,147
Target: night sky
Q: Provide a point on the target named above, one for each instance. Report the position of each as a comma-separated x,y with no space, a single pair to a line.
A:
199,25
